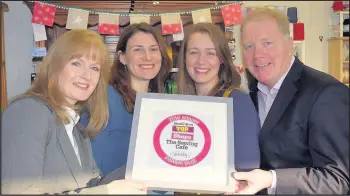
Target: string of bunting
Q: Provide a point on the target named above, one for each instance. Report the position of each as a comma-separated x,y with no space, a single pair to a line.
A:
128,13
171,24
44,14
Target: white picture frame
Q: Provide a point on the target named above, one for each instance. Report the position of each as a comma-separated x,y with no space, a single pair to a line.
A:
157,156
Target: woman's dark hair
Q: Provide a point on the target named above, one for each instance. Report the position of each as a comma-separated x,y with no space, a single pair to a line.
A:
120,79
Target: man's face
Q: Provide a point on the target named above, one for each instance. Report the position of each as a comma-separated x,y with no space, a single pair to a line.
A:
267,52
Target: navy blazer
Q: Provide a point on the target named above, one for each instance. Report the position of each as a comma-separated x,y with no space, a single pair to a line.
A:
305,137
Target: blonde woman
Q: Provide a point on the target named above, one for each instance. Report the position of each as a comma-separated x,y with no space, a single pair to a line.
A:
43,147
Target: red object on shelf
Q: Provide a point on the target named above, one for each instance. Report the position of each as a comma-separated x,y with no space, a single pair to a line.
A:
338,6
298,31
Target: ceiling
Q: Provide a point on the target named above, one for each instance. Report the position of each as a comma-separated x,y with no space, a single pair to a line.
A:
139,6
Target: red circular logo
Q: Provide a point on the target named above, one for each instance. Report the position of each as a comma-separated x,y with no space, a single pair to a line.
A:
182,140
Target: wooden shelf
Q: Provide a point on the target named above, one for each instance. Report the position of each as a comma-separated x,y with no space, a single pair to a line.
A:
336,65
339,38
4,8
341,12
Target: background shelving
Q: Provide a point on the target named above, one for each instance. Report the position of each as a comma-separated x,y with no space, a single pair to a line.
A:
338,46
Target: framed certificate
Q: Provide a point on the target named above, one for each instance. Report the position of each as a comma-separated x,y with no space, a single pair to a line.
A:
182,143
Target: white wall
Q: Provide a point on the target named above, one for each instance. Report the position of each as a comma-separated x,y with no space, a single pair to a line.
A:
19,38
19,43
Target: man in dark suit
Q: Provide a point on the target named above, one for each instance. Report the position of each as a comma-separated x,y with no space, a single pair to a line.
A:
304,114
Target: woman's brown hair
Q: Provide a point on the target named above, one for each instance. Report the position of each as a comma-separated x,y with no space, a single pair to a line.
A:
120,79
70,45
228,76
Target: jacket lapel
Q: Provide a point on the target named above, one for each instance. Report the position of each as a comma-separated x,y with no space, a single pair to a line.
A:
83,151
69,154
285,95
283,98
254,92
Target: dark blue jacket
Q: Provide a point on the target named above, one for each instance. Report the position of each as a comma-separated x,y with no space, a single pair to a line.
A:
246,131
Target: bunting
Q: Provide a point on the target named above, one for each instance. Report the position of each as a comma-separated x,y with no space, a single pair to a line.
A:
77,19
139,19
171,24
43,14
108,24
201,16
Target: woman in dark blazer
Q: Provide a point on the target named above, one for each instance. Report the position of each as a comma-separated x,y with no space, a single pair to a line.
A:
44,150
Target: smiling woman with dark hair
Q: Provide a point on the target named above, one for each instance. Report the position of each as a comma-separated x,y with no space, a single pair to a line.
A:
142,65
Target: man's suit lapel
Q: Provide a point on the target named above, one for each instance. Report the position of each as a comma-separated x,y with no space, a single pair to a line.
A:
285,95
254,92
69,154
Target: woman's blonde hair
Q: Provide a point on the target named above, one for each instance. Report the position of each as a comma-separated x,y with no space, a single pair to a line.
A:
228,76
70,45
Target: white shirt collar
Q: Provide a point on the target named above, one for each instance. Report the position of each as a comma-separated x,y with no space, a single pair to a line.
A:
73,115
265,90
74,118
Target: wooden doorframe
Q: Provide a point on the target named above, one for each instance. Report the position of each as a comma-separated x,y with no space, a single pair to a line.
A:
4,8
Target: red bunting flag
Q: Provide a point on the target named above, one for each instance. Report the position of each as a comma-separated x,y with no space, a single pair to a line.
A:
43,14
108,29
232,14
108,24
171,24
171,29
